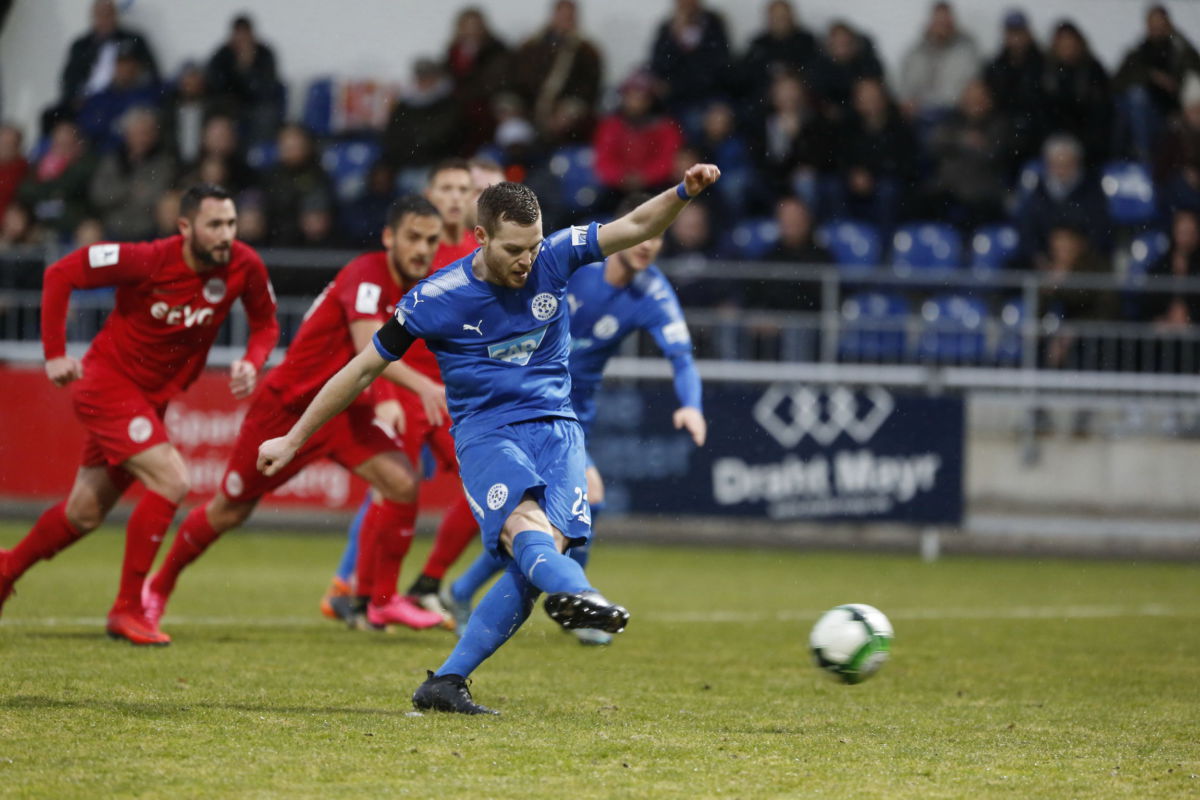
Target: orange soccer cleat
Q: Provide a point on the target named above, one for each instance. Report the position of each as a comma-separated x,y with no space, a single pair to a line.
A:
133,627
338,588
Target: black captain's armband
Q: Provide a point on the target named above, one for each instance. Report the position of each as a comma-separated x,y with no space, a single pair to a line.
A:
392,340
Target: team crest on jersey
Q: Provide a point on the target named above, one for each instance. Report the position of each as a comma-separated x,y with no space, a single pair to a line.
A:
518,349
214,290
233,484
140,429
497,496
606,327
543,306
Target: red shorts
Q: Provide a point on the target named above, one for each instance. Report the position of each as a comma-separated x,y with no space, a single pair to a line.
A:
120,420
349,439
418,433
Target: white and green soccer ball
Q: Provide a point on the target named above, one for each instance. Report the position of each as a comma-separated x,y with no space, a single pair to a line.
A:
851,642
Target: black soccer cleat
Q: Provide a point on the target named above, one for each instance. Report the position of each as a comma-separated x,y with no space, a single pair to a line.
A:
586,610
447,693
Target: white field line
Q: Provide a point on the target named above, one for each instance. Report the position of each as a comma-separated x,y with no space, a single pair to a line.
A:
691,617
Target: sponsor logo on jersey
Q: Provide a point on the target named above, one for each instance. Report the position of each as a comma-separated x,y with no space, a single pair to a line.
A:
497,496
185,315
543,306
606,327
477,327
518,349
140,429
103,255
214,290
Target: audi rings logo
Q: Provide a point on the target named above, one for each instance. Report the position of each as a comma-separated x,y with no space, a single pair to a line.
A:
790,412
497,496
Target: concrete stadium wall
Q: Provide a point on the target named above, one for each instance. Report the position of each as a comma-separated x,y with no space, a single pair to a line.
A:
382,37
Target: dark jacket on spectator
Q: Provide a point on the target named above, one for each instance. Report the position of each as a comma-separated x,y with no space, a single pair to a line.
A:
971,158
1016,88
1083,208
259,83
287,190
1173,55
766,53
60,201
832,80
86,49
779,155
549,67
890,152
125,193
694,74
423,132
478,77
1155,304
1079,102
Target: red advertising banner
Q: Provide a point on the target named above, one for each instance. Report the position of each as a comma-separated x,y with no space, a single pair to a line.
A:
41,442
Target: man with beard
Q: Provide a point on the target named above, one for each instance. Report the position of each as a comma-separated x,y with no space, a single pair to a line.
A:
340,322
171,297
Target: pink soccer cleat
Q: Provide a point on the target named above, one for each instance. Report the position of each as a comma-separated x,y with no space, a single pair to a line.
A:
402,610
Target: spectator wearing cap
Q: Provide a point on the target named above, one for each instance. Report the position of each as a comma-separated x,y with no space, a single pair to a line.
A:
1149,80
784,46
56,187
1078,93
243,73
1066,196
13,165
877,153
1178,165
426,124
293,185
129,180
1014,78
478,61
92,60
131,87
557,64
691,56
847,56
636,145
937,68
970,148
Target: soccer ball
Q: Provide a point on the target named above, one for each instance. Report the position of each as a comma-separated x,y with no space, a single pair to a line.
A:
851,642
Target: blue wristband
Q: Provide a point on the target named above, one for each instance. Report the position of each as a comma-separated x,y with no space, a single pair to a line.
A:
681,190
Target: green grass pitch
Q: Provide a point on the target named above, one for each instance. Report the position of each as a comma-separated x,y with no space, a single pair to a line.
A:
1009,678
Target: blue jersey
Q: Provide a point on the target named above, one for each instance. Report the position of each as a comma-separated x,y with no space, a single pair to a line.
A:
602,315
503,352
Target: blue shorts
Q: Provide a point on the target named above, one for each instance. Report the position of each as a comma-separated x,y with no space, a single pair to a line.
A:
544,458
584,404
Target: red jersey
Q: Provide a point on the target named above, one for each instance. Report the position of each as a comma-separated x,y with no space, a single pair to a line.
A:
363,289
166,315
418,356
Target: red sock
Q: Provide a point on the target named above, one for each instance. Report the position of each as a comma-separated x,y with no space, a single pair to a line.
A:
193,538
364,566
143,536
391,527
50,535
456,530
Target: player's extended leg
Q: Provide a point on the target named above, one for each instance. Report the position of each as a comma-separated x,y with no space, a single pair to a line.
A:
200,528
462,592
388,531
95,491
338,600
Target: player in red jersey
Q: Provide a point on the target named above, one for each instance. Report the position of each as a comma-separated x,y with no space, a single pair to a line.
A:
454,186
341,322
171,297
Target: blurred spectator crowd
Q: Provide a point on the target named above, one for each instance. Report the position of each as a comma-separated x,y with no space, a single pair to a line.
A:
1030,157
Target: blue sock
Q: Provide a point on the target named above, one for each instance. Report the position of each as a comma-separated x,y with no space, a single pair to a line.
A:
345,570
545,567
480,572
494,621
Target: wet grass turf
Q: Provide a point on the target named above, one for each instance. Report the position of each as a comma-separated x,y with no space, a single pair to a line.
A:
1010,678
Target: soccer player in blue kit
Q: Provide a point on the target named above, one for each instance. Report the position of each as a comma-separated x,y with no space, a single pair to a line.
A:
608,301
497,323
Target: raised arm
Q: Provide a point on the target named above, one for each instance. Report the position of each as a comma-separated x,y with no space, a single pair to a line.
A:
431,394
348,383
653,217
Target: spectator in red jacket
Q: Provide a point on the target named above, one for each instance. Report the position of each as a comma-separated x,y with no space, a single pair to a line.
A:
13,165
635,147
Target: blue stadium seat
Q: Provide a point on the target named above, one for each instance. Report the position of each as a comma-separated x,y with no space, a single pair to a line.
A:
1144,250
348,164
577,178
852,243
1010,343
318,107
1130,192
926,246
993,247
752,239
263,155
873,327
954,330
